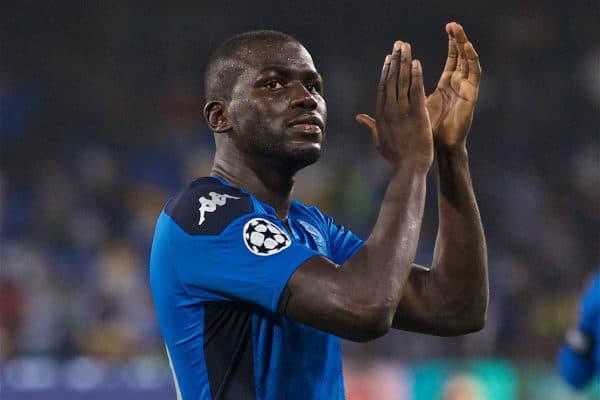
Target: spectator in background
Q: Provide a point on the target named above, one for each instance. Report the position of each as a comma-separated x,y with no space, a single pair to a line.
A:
579,357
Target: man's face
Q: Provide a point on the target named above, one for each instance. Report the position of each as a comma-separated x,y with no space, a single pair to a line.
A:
277,110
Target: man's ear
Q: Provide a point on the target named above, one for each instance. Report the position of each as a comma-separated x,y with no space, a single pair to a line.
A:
214,112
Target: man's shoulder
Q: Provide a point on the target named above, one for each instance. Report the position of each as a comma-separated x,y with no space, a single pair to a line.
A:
313,220
308,211
207,206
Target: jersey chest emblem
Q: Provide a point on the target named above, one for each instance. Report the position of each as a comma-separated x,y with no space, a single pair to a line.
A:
264,238
211,204
314,233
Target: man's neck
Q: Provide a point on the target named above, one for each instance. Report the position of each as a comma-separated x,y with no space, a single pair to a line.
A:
267,184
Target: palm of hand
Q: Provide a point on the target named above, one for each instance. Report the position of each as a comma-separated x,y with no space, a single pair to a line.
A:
451,112
452,104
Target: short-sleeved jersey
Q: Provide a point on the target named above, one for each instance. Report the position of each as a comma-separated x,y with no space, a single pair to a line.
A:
220,261
579,357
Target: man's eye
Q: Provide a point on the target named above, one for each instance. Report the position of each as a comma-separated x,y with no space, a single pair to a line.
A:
274,85
312,88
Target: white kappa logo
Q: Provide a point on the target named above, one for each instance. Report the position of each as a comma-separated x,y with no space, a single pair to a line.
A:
210,205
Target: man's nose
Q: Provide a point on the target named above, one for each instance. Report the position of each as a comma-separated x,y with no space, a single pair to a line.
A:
302,98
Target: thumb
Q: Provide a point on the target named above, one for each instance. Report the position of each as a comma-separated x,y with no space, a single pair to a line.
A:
369,122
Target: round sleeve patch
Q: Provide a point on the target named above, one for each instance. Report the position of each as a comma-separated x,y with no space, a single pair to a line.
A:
264,238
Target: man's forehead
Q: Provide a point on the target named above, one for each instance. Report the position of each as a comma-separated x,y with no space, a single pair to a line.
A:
287,54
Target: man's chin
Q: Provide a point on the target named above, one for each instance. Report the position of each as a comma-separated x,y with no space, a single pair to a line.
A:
302,157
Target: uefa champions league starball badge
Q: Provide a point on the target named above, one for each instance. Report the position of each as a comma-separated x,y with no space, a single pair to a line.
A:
264,238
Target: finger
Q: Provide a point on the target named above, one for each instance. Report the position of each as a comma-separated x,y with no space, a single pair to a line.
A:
369,122
392,78
417,91
474,66
404,75
450,65
381,88
460,38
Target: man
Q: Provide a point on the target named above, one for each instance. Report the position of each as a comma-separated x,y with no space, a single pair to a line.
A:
252,289
579,357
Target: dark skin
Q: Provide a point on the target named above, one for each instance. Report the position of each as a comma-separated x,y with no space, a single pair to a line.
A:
379,287
457,287
256,149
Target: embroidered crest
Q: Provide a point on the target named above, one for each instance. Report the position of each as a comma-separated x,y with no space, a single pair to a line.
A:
264,238
314,233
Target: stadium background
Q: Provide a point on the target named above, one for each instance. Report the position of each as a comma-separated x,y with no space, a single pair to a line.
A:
100,121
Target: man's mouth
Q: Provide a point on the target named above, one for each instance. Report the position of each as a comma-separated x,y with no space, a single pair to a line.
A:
310,124
307,128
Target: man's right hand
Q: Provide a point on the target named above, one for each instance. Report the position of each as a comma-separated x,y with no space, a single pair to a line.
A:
403,135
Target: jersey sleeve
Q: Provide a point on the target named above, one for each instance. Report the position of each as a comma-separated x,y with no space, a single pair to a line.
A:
576,356
223,249
589,310
576,368
251,260
343,243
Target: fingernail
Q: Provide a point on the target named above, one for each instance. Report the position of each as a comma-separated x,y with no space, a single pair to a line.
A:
388,59
397,45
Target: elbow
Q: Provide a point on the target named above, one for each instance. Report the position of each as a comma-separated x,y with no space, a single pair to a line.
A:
374,329
474,320
475,324
371,323
461,328
471,315
469,320
479,315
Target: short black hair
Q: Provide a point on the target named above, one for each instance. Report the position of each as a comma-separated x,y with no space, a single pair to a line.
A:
227,62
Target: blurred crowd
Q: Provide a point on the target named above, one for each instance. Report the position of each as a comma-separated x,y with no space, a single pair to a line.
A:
101,121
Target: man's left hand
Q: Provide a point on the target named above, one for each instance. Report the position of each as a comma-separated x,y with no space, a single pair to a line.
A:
452,104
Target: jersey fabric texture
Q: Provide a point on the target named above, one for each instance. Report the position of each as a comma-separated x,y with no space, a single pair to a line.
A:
579,357
220,261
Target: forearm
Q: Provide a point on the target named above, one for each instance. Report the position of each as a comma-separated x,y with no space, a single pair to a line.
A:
451,298
379,271
460,258
358,300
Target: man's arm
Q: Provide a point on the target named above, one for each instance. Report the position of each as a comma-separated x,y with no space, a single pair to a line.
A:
358,301
452,297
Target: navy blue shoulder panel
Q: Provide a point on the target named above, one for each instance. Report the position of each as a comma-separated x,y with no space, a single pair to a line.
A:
207,206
